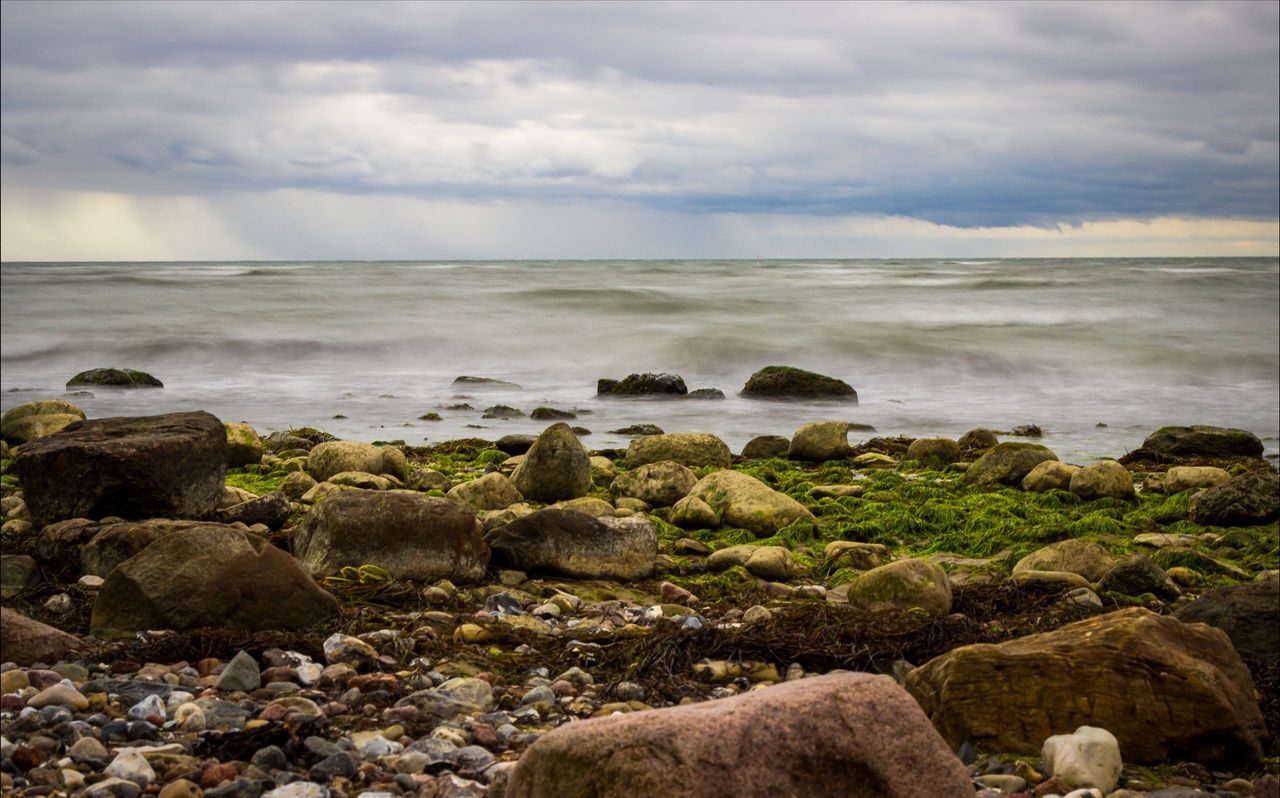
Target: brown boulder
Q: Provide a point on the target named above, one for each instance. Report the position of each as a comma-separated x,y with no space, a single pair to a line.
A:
1166,689
24,640
169,466
848,735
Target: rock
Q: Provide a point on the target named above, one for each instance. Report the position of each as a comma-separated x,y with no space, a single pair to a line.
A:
32,420
858,556
362,480
1247,500
1049,475
573,544
643,385
112,788
1083,557
514,444
271,509
112,544
836,491
409,535
492,491
938,450
763,447
502,411
18,573
1203,441
743,501
244,447
1180,478
118,378
551,414
24,640
470,382
1027,431
425,479
689,449
211,575
851,735
334,457
59,695
556,467
706,393
1089,757
903,585
1248,614
1107,479
785,382
693,513
638,429
241,674
773,563
977,439
1137,574
1132,665
820,441
1007,463
587,504
231,496
169,466
660,484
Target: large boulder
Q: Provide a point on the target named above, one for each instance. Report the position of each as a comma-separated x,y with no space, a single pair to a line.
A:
741,500
846,735
1007,463
169,466
112,544
333,457
114,378
32,420
903,585
1203,441
244,447
1083,557
574,544
210,576
820,441
643,385
1049,475
409,535
1249,499
785,382
1107,479
24,640
689,449
555,468
1165,689
660,484
493,491
1249,614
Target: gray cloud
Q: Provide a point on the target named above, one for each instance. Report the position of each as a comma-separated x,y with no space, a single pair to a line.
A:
971,115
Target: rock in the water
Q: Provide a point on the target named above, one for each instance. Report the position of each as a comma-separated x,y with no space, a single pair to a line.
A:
978,439
1203,441
1180,478
741,500
552,414
903,585
574,544
938,450
410,535
271,509
689,449
1083,557
660,484
706,393
643,385
1007,463
785,382
210,575
1107,479
32,420
334,457
638,429
1133,665
1088,757
1049,475
493,491
763,447
849,735
117,378
1249,499
244,447
556,467
1249,614
169,466
24,640
820,441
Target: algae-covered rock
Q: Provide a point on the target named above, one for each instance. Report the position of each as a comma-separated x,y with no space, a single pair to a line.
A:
786,382
492,491
774,563
939,450
118,378
1083,557
1203,441
643,385
689,449
32,420
1049,475
763,447
820,441
1007,463
741,500
693,513
903,585
976,439
334,457
556,467
1107,479
244,447
660,484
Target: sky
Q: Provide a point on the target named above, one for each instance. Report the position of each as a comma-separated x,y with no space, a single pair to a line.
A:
435,130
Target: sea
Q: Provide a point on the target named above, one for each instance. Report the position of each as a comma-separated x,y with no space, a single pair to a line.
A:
1097,352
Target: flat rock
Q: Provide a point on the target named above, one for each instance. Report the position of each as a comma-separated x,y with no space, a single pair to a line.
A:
574,544
689,449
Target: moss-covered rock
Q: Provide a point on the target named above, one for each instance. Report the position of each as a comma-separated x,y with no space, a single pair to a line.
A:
785,382
1007,463
762,447
820,441
492,491
556,467
1107,479
693,513
333,457
689,449
936,450
1251,498
32,420
1049,475
745,502
118,378
1180,478
244,447
903,585
660,484
643,385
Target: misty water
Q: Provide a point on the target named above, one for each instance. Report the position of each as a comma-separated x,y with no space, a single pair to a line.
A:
933,347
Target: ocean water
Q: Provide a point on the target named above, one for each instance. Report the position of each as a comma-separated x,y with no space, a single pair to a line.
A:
933,347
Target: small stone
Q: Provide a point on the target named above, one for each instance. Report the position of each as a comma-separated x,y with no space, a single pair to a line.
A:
13,681
340,648
1003,782
1090,757
60,695
59,603
151,706
757,614
241,674
182,788
113,788
88,751
189,717
300,789
131,766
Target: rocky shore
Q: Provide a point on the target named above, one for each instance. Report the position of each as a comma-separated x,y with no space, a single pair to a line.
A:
192,609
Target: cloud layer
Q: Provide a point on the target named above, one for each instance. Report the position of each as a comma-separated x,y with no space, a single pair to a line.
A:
967,117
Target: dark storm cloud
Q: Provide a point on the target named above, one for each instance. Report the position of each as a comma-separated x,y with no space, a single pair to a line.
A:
971,115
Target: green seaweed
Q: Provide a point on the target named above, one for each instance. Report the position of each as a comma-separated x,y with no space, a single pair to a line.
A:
258,484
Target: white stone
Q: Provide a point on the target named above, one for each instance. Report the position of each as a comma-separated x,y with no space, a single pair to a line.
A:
299,789
190,717
131,766
1088,758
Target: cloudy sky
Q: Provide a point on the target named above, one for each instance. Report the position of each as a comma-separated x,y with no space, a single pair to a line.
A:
254,130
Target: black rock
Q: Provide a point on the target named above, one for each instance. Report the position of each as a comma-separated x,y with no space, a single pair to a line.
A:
646,384
339,764
1249,614
1247,500
785,382
515,444
118,378
272,509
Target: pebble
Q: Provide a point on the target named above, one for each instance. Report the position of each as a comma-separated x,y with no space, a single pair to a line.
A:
240,675
300,789
63,695
131,766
